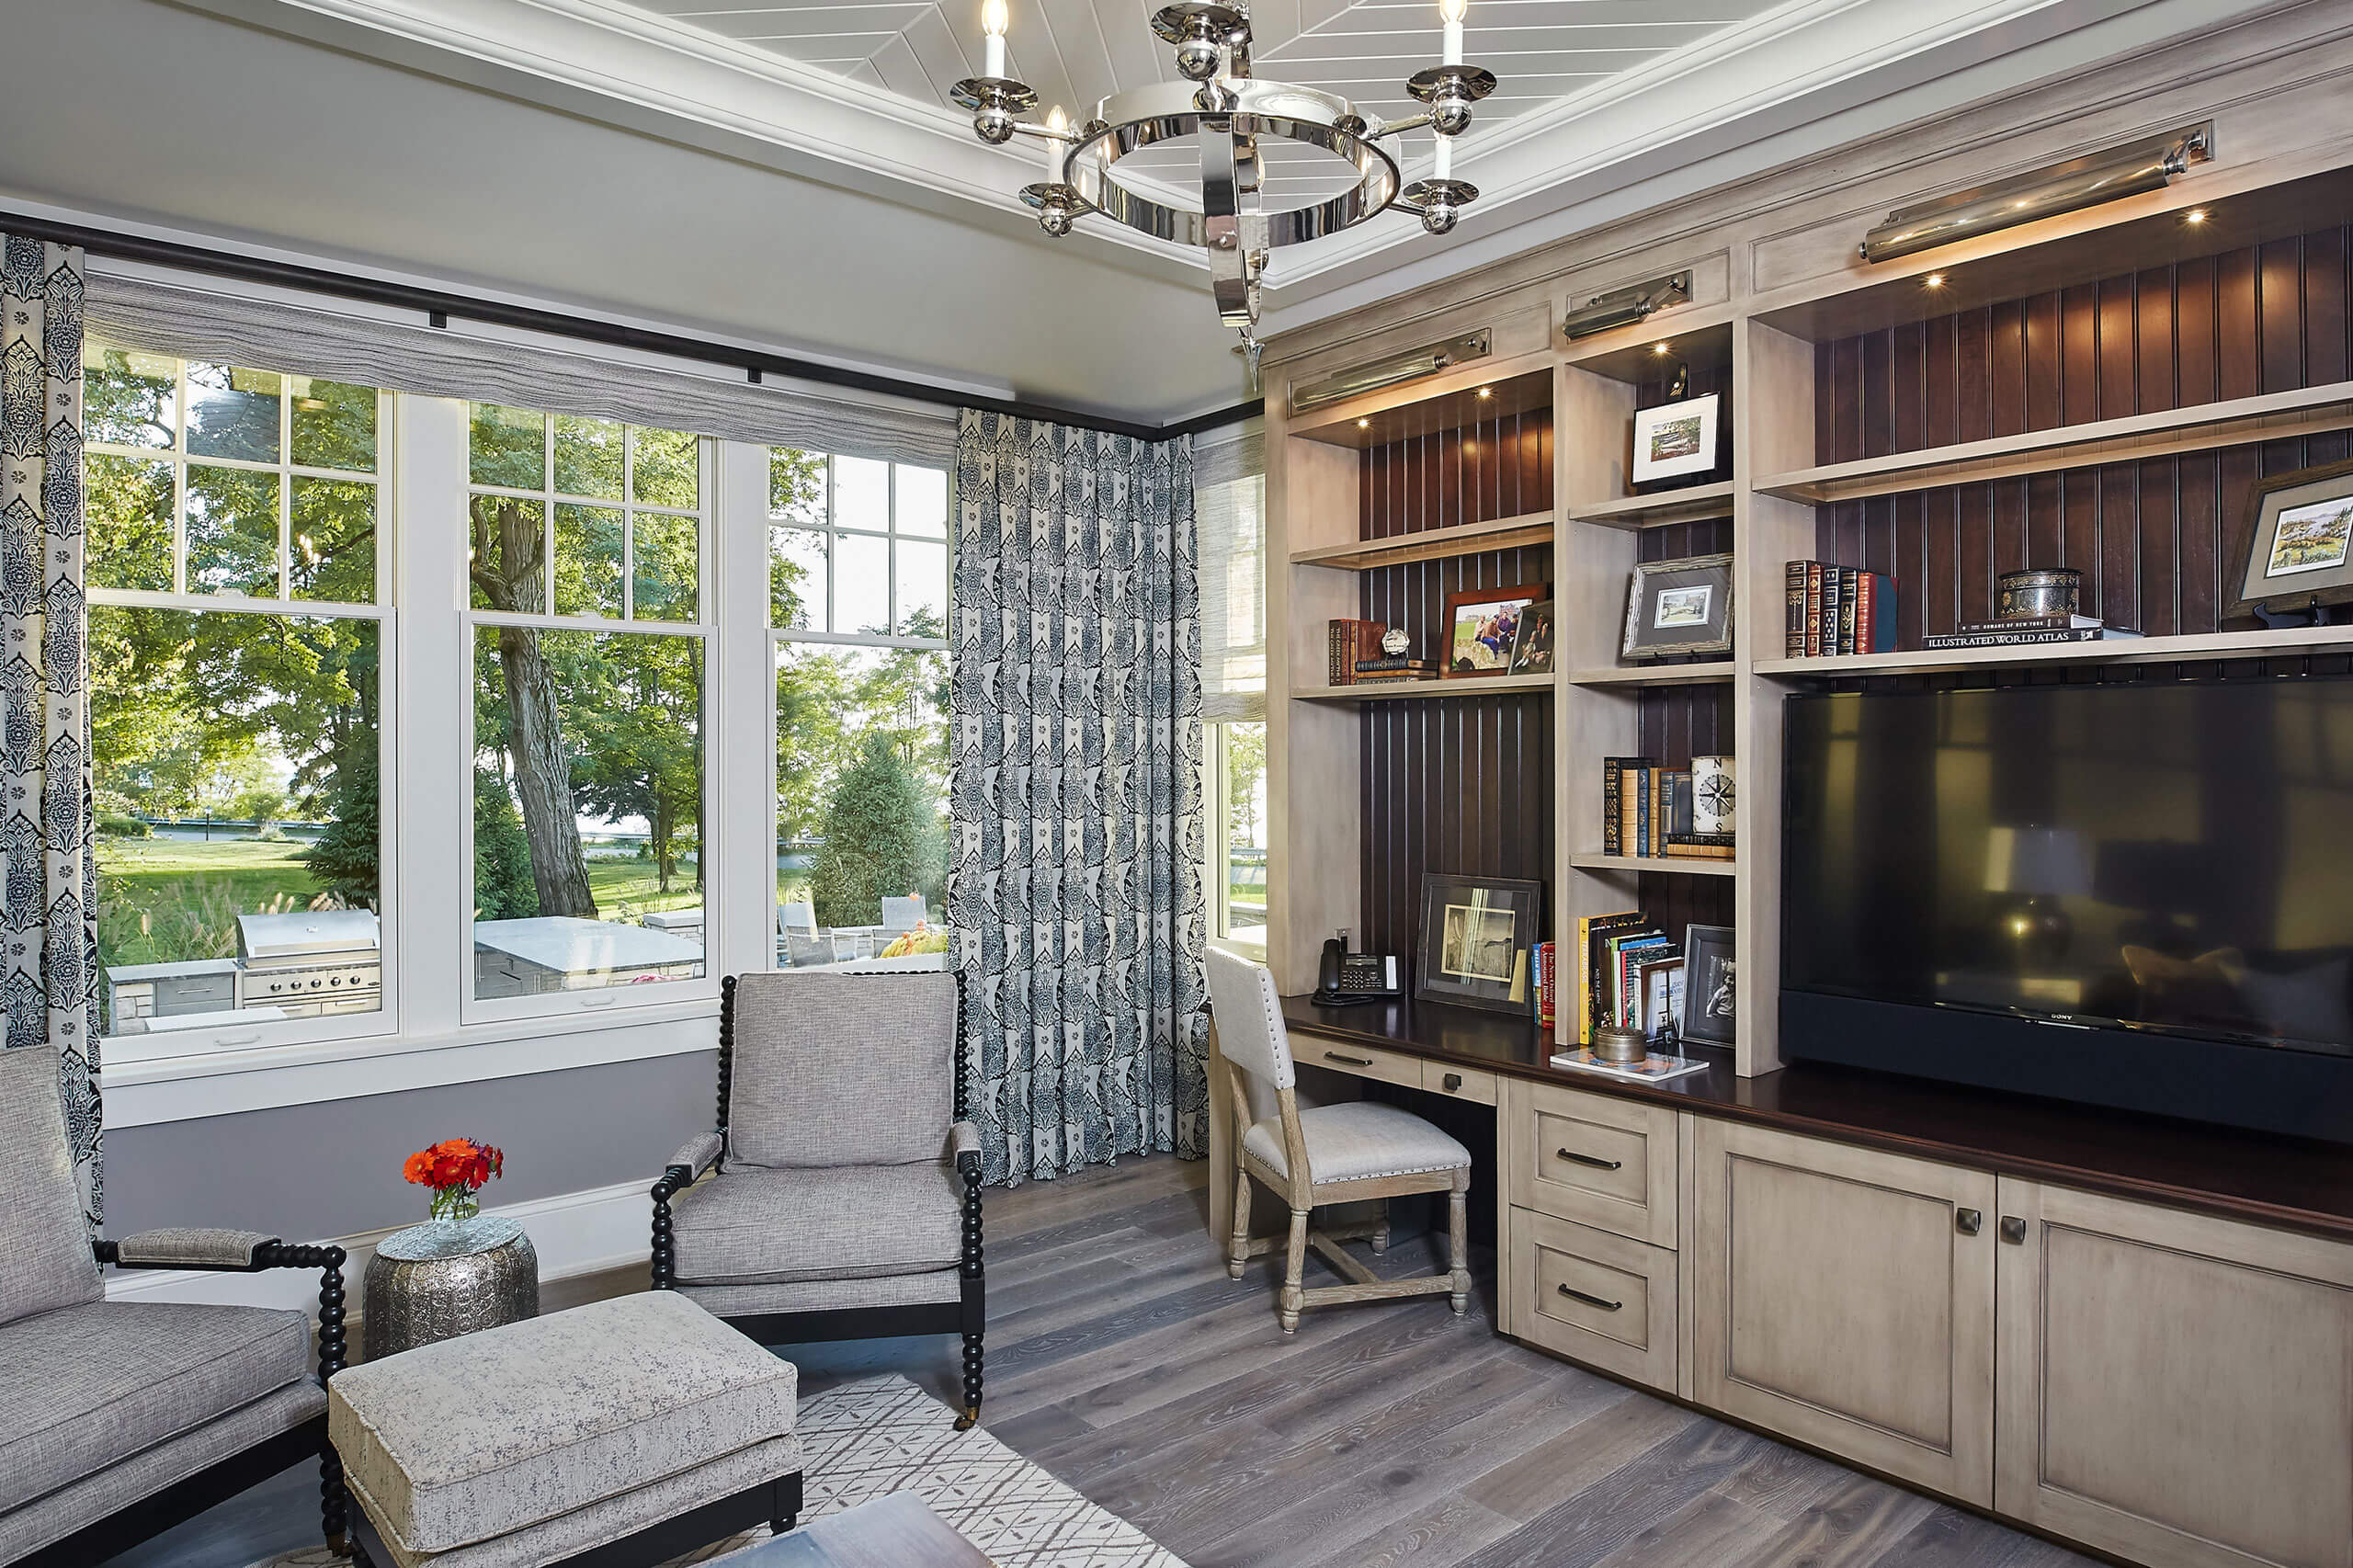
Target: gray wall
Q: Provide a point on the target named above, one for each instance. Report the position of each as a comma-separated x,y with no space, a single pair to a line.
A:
309,1172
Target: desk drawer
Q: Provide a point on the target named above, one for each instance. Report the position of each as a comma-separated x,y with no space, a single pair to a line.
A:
1459,1083
1591,1159
1604,1299
1363,1061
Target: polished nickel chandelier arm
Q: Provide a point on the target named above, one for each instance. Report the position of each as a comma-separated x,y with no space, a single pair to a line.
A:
1232,115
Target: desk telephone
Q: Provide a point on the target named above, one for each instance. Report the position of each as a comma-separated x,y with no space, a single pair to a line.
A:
1347,979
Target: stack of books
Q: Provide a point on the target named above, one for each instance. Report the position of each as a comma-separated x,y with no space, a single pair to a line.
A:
1647,811
1393,667
1351,644
1546,979
1618,959
1836,609
2028,628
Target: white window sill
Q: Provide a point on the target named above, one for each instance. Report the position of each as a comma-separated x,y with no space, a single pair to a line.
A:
224,1082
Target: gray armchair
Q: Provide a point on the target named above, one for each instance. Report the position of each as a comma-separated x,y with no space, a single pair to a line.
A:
839,1196
121,1419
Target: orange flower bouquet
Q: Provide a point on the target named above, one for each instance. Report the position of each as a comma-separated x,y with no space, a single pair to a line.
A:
455,1168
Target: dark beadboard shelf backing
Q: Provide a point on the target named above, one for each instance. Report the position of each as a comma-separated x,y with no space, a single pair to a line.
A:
2155,538
1463,784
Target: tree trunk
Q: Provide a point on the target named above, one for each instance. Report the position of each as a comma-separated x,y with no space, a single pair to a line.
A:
660,825
543,777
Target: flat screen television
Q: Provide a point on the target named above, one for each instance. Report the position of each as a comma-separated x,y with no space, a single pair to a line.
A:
2134,894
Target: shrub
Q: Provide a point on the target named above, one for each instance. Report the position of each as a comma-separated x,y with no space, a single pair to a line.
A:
113,824
882,837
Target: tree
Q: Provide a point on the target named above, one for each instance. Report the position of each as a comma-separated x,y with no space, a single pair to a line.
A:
347,859
504,886
506,571
882,838
1246,773
638,723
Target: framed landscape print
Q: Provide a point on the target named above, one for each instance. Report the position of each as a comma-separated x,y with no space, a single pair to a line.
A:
1680,606
1675,440
2300,541
1482,625
1475,936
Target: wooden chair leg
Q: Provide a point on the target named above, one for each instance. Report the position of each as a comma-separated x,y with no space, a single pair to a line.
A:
1380,1231
1294,1270
1238,1251
1459,1272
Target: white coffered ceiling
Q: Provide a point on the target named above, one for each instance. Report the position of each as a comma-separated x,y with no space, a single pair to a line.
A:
1075,51
788,176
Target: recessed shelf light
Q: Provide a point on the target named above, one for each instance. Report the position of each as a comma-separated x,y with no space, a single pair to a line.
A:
1661,349
1933,280
2194,215
1364,424
1486,392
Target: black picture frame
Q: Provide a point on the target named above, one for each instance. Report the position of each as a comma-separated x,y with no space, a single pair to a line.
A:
1475,939
1710,979
1532,648
2270,575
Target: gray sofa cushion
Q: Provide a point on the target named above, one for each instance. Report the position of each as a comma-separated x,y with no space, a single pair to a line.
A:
84,1387
103,1493
45,1258
745,1227
829,1295
841,1069
497,1431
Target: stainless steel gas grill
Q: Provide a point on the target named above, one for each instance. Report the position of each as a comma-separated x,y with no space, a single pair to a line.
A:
311,962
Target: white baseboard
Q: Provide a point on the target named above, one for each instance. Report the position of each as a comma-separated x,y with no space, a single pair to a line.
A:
573,1233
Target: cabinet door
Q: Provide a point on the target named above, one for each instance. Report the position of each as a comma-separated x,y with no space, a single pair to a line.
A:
2174,1389
1845,1297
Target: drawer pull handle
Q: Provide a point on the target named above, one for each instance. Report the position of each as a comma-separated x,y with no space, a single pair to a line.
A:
1453,1082
1591,1301
1968,1221
1351,1061
1596,1162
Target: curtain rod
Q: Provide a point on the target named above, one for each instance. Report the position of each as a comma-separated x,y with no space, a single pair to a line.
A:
438,306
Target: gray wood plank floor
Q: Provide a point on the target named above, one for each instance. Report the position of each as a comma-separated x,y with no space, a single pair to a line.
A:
1122,1359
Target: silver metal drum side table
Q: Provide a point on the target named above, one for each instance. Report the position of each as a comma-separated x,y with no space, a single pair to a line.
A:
446,1278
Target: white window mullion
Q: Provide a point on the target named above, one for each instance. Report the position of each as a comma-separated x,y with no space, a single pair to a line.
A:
739,778
434,680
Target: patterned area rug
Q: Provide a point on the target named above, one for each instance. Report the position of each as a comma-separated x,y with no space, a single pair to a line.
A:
883,1435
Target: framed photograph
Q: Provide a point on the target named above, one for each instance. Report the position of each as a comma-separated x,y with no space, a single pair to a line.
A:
1482,625
1709,974
1680,606
1675,439
2300,541
1661,986
1475,936
1531,650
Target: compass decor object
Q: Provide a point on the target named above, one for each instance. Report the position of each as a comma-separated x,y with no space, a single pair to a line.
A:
1236,119
1713,796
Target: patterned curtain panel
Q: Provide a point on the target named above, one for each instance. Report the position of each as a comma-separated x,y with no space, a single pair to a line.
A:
1076,892
52,871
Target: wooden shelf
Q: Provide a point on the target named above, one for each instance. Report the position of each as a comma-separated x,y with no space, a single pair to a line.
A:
1697,504
1672,864
1656,675
1467,686
1431,544
2287,642
2235,422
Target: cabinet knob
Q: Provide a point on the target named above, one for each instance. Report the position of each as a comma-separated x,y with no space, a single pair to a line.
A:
2013,1230
1453,1082
1968,1221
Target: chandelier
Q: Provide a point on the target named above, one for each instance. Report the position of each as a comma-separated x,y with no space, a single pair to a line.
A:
1240,124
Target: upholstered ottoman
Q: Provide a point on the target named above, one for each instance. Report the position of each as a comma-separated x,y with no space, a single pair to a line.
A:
634,1429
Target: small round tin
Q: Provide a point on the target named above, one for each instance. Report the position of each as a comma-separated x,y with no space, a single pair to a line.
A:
1614,1044
2042,590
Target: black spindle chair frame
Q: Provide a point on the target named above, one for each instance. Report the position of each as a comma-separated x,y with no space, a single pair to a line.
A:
158,1511
967,1316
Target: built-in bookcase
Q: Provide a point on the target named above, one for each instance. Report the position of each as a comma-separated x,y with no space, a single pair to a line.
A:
2098,391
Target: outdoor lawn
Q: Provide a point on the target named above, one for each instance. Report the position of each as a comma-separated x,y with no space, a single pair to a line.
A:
190,893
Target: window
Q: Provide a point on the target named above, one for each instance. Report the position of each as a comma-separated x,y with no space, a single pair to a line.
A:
1235,764
238,683
585,587
1229,505
858,602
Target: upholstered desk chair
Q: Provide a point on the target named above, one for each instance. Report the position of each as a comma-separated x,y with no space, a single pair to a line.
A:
840,1196
121,1419
1326,1155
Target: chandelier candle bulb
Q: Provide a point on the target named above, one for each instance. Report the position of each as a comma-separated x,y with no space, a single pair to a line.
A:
1443,168
1451,13
1057,126
995,21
